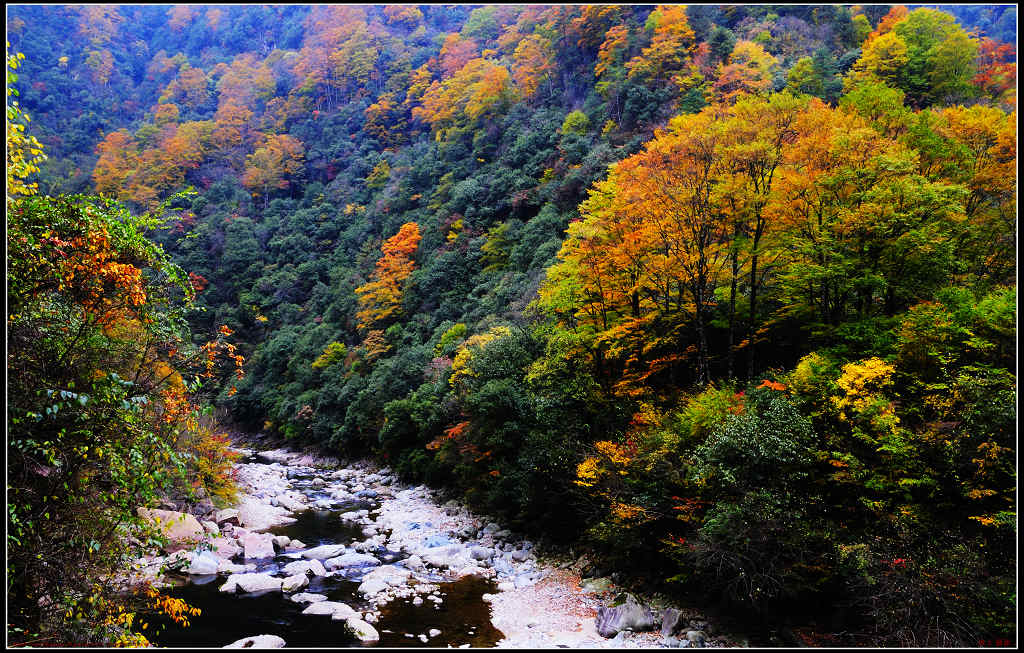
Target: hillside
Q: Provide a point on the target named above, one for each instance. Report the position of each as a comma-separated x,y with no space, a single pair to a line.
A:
725,293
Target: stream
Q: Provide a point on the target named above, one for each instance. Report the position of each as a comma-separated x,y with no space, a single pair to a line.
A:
348,556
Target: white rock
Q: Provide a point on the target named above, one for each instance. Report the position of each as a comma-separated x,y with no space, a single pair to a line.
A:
294,583
325,551
306,597
251,583
296,544
258,641
314,567
258,545
281,542
433,632
226,515
211,527
228,567
202,564
351,560
332,608
256,515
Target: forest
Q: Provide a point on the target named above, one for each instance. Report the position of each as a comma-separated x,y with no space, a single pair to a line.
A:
725,294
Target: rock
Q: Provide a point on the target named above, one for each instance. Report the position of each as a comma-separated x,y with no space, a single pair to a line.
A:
491,528
521,555
481,553
506,587
314,567
224,548
211,527
296,544
228,567
289,503
226,516
203,507
351,560
202,564
251,583
257,545
294,583
382,578
593,585
306,597
628,615
670,622
472,571
179,528
363,631
413,562
258,641
417,601
433,632
324,551
256,515
333,608
696,637
281,542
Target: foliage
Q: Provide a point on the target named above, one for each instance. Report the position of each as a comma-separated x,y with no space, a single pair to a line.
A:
428,250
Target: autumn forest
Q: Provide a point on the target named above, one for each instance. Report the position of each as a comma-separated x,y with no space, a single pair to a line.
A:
725,295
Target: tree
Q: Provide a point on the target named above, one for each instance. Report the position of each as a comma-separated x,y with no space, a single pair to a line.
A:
749,71
672,43
272,165
380,300
24,152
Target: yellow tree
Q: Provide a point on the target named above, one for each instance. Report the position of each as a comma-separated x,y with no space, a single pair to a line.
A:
272,164
381,298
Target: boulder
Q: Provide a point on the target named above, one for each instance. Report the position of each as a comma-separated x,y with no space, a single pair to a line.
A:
627,615
696,638
294,583
258,545
314,567
202,564
224,548
363,631
211,527
296,544
256,515
592,585
351,560
306,597
179,528
228,567
332,608
258,641
324,551
251,583
281,542
670,622
382,578
226,516
481,553
290,503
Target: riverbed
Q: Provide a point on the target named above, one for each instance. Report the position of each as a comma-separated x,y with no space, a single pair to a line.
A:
359,558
